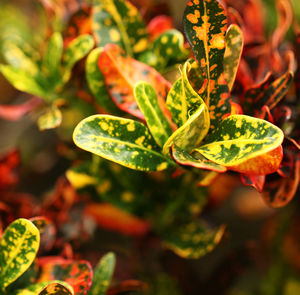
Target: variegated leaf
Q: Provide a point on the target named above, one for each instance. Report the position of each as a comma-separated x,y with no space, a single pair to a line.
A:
18,247
103,274
190,134
205,26
181,157
123,141
234,46
51,118
76,50
148,103
57,288
96,83
158,25
119,22
182,100
239,138
122,72
192,240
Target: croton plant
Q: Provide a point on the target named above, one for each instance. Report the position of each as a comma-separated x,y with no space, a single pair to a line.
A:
172,111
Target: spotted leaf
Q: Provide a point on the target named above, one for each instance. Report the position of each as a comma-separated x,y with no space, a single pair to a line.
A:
57,288
183,158
51,118
169,49
158,25
76,50
77,274
148,103
190,134
123,141
103,274
240,138
96,83
234,46
122,72
18,247
119,22
205,26
182,100
32,289
192,240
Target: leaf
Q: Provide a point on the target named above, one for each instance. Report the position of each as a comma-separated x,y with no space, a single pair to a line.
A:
181,157
182,100
52,57
51,118
22,80
256,181
158,25
18,247
9,163
76,50
119,22
103,274
192,240
57,288
234,46
190,135
123,141
169,49
78,274
148,103
205,27
16,112
121,73
239,138
96,83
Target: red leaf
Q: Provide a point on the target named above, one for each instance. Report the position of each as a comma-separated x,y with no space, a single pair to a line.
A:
8,169
256,181
159,25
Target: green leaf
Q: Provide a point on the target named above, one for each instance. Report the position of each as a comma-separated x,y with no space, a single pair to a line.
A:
51,118
52,58
190,135
205,27
234,46
57,288
239,138
182,100
157,123
123,141
119,22
76,50
18,247
96,83
169,48
181,157
22,80
103,274
192,240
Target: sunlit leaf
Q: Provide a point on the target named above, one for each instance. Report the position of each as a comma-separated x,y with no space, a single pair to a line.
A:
123,141
18,247
157,123
239,138
50,119
192,240
233,51
103,274
119,22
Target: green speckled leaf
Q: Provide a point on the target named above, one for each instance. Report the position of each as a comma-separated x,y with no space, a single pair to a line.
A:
18,247
239,138
192,240
182,100
123,141
190,134
103,274
169,48
148,103
96,83
22,80
57,288
183,158
50,119
76,50
119,22
234,46
205,26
